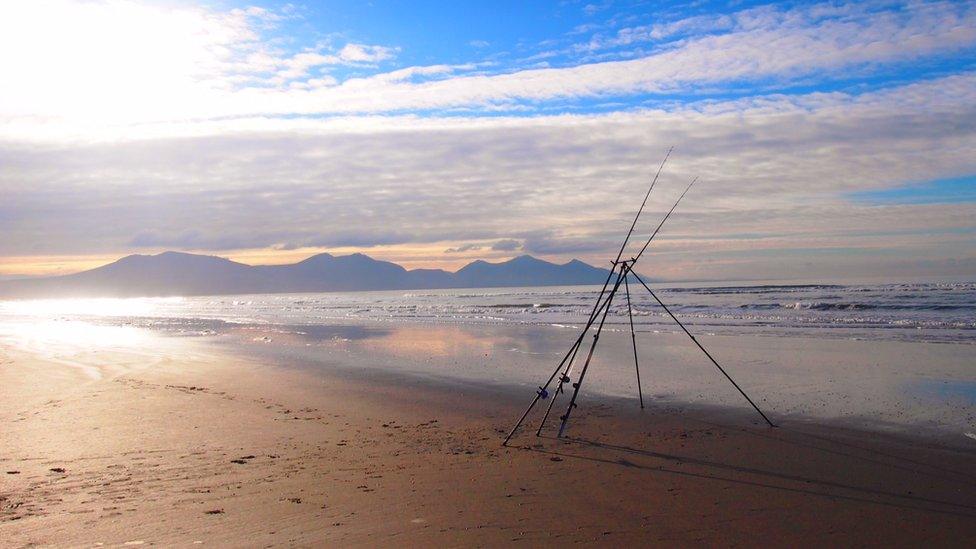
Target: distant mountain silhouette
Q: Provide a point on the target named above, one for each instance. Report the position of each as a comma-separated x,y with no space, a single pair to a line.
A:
526,270
182,274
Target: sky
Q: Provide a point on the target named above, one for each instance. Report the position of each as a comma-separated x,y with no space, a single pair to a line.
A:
832,140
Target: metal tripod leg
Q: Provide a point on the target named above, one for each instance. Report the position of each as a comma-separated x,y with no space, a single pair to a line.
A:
726,374
633,340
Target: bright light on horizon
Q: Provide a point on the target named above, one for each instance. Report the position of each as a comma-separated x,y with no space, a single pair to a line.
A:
85,307
66,331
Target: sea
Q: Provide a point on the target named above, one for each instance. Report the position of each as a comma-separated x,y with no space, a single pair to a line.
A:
942,312
883,355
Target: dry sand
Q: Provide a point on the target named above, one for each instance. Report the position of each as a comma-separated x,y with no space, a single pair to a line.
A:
225,450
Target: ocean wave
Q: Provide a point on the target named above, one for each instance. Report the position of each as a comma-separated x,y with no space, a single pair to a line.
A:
764,289
927,312
856,306
523,305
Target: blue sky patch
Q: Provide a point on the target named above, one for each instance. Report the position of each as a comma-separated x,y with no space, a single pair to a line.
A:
940,191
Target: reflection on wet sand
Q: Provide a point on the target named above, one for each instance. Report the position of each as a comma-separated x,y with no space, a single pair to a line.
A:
416,341
422,342
856,381
962,392
73,343
315,334
910,384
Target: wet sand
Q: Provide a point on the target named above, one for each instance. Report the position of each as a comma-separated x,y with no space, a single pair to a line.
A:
214,447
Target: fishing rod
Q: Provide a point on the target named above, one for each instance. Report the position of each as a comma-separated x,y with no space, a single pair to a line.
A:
542,392
626,267
644,203
564,378
589,355
661,224
623,246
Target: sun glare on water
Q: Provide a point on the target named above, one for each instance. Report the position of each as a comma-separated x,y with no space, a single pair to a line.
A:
78,307
59,326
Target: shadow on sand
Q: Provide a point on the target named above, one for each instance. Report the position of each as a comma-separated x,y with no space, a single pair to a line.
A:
938,478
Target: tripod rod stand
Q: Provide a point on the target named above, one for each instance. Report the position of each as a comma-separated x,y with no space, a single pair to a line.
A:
543,391
623,269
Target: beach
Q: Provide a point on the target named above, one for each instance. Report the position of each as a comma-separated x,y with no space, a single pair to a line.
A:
254,440
481,274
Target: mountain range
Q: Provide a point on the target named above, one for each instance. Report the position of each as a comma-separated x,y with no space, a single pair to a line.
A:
183,274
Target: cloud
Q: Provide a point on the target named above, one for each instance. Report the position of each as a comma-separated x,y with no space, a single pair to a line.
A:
362,53
183,66
507,245
503,245
593,9
776,173
196,240
298,67
197,128
464,248
130,62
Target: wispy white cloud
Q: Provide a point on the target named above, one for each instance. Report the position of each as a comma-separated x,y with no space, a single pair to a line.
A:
362,53
197,64
596,7
297,68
